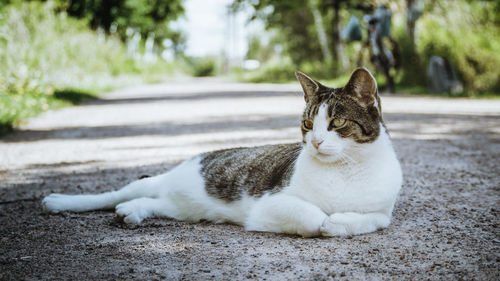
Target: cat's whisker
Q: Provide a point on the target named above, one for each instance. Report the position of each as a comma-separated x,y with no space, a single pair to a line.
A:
344,156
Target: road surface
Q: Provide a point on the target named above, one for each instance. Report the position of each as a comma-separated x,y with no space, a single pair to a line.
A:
445,225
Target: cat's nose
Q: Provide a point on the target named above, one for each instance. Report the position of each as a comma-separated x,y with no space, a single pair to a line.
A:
316,143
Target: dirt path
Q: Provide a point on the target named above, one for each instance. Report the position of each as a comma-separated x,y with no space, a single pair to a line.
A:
445,226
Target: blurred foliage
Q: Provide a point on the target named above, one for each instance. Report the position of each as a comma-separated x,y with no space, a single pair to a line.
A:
413,68
43,51
257,50
468,34
146,16
296,33
277,72
201,67
124,17
464,32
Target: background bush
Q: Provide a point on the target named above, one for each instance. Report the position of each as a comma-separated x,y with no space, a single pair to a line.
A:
201,67
467,33
469,39
43,52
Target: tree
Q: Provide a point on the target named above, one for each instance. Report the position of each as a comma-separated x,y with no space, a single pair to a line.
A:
414,9
318,22
295,23
310,28
146,16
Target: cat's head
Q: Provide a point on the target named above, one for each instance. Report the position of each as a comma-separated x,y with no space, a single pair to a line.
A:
338,121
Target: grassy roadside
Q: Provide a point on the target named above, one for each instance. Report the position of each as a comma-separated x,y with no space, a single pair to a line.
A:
284,74
21,107
17,108
49,60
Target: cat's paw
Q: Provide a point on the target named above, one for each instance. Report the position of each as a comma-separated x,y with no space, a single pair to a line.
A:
55,203
131,212
332,226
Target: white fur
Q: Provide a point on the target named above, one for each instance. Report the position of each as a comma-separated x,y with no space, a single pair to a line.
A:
353,185
341,188
178,194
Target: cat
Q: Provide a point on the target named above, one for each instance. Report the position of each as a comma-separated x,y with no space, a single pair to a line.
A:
341,180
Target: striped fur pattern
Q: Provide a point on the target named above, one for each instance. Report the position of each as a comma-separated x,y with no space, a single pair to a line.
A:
232,173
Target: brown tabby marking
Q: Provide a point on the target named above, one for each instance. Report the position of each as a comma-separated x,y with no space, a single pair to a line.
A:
254,170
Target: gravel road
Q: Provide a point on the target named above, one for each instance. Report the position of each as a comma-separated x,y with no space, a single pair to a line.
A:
445,225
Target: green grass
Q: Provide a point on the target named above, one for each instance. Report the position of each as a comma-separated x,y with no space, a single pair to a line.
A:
16,108
264,76
49,60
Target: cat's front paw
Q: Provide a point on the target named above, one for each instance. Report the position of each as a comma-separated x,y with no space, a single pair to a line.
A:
333,227
131,212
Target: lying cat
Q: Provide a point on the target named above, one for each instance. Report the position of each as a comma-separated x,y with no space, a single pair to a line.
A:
343,179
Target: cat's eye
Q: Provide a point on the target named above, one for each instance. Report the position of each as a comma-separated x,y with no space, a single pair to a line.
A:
338,123
308,124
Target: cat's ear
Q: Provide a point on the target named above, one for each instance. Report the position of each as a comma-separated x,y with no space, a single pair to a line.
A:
363,86
309,85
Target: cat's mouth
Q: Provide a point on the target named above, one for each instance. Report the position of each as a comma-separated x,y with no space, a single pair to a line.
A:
324,157
322,154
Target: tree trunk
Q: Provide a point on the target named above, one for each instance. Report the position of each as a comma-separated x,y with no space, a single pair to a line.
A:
410,22
318,21
337,41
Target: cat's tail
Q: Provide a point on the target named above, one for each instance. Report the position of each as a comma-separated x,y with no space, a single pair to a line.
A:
146,187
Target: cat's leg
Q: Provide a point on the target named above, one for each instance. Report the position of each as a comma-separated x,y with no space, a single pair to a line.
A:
147,187
184,177
135,211
344,224
283,213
